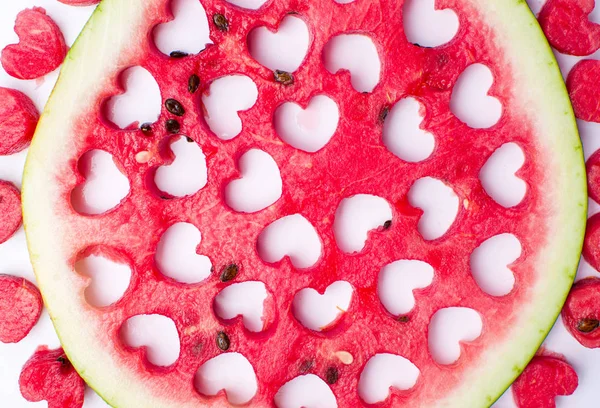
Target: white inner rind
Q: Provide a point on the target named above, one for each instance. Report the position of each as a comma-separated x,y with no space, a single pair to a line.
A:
115,27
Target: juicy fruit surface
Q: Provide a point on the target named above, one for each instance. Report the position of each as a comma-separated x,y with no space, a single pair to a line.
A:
583,90
49,376
280,352
20,308
581,313
10,210
41,48
18,118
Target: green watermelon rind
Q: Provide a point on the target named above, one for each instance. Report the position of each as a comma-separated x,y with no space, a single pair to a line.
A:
119,25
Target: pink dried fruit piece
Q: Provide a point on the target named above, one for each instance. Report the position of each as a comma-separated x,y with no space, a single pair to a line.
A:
18,119
20,308
10,210
581,313
80,2
584,88
41,48
549,222
48,375
593,176
591,243
545,378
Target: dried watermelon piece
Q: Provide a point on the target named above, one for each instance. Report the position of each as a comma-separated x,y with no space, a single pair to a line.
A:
80,2
591,243
545,378
41,48
20,308
584,87
18,119
568,28
581,313
10,210
48,375
593,174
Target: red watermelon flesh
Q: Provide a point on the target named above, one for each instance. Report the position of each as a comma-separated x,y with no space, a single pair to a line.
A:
582,83
10,210
582,312
18,118
353,162
20,308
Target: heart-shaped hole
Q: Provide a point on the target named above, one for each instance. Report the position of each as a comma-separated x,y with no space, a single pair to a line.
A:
439,203
248,4
397,281
307,129
157,335
305,391
319,312
384,371
427,26
176,255
448,328
109,277
187,174
188,32
498,175
250,300
490,264
258,187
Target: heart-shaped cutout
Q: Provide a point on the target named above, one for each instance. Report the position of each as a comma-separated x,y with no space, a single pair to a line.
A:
41,48
258,187
48,375
355,217
156,334
293,236
545,378
402,132
439,203
176,255
11,215
427,26
105,185
448,328
384,371
584,88
397,281
490,264
470,101
140,103
109,279
248,4
187,174
320,312
284,49
188,32
247,299
224,99
229,372
357,54
498,175
305,391
307,129
568,28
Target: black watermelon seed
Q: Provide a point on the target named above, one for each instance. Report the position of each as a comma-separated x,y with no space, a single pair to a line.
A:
172,126
403,319
174,107
146,129
229,272
178,54
332,375
221,22
223,341
384,113
306,366
588,325
193,83
283,77
387,224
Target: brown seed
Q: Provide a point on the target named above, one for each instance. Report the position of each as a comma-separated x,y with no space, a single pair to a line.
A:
174,107
189,139
146,129
332,375
387,224
283,77
229,272
193,83
306,366
221,22
62,360
178,54
223,341
588,325
383,113
403,319
172,126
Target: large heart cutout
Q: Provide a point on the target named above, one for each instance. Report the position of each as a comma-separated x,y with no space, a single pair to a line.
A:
490,264
156,334
439,203
319,312
188,32
229,372
426,26
384,371
187,174
246,299
397,281
305,391
498,175
448,328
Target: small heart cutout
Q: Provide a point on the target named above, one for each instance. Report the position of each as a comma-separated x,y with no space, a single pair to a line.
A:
426,26
498,175
246,299
584,88
355,217
402,132
357,54
188,32
490,264
176,255
319,312
448,328
140,103
307,129
258,187
105,185
229,372
439,203
568,28
284,49
223,100
305,391
187,174
470,101
397,281
545,378
248,4
156,334
41,48
293,236
109,279
384,371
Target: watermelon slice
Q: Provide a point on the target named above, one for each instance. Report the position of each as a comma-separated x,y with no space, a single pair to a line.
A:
548,223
